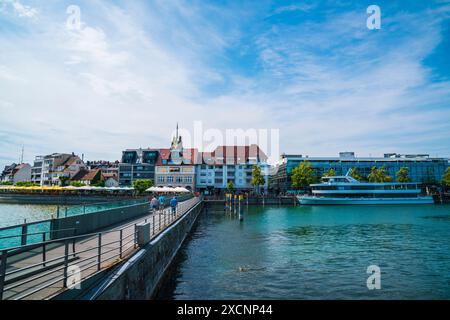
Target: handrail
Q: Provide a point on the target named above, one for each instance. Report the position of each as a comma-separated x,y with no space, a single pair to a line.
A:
35,233
102,251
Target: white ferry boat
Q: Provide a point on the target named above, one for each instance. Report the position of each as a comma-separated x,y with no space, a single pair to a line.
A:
346,190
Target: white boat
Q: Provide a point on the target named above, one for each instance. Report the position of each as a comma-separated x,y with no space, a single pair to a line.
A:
346,190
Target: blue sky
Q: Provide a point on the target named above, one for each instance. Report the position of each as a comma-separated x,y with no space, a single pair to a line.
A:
311,69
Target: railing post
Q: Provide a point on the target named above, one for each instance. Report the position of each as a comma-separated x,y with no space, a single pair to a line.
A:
24,234
2,272
120,243
73,247
99,262
153,223
66,261
44,249
135,236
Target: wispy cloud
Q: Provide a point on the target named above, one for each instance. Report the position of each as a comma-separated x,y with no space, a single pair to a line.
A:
19,9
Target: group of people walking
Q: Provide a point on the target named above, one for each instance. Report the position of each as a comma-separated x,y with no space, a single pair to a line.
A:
160,203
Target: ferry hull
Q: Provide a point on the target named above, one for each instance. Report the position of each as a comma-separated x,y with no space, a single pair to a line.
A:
309,200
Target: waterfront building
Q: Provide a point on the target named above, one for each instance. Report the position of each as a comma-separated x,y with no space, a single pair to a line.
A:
422,167
137,164
16,173
88,177
230,164
49,169
176,166
107,167
111,180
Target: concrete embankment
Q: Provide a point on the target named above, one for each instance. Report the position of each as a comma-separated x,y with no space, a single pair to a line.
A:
139,277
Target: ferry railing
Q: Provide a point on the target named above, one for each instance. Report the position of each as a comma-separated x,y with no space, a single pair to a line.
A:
85,255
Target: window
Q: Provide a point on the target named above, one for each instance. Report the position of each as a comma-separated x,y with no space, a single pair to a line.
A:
179,179
161,179
170,179
188,179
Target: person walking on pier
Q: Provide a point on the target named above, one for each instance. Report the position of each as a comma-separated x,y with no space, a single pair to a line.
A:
173,204
154,203
162,201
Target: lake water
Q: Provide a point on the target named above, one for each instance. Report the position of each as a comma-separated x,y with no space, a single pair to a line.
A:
11,214
14,214
315,252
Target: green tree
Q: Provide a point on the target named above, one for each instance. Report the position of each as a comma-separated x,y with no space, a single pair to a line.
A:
64,180
379,175
354,173
330,173
257,177
141,185
230,186
6,183
98,181
446,178
402,175
303,175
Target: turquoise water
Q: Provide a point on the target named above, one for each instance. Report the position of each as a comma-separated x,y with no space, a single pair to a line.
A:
14,214
315,252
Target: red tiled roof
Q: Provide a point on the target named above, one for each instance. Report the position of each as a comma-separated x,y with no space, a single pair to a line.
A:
85,175
107,176
233,155
190,154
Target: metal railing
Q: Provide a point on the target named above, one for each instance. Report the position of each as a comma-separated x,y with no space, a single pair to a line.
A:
48,268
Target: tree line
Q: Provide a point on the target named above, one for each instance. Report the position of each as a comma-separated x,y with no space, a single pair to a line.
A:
305,174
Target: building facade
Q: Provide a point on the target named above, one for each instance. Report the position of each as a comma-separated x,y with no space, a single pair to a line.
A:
48,170
16,173
422,167
137,164
176,166
230,164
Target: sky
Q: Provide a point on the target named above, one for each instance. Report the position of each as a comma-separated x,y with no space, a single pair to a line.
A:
310,69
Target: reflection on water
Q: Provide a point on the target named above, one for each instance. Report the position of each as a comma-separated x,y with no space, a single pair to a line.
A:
315,253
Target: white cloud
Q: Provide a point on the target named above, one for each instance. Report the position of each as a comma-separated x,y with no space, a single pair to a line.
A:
131,73
21,10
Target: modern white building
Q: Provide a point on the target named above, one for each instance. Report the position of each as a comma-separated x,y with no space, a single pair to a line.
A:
48,170
230,164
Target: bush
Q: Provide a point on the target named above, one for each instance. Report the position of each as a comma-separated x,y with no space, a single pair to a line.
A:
77,184
141,185
27,184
